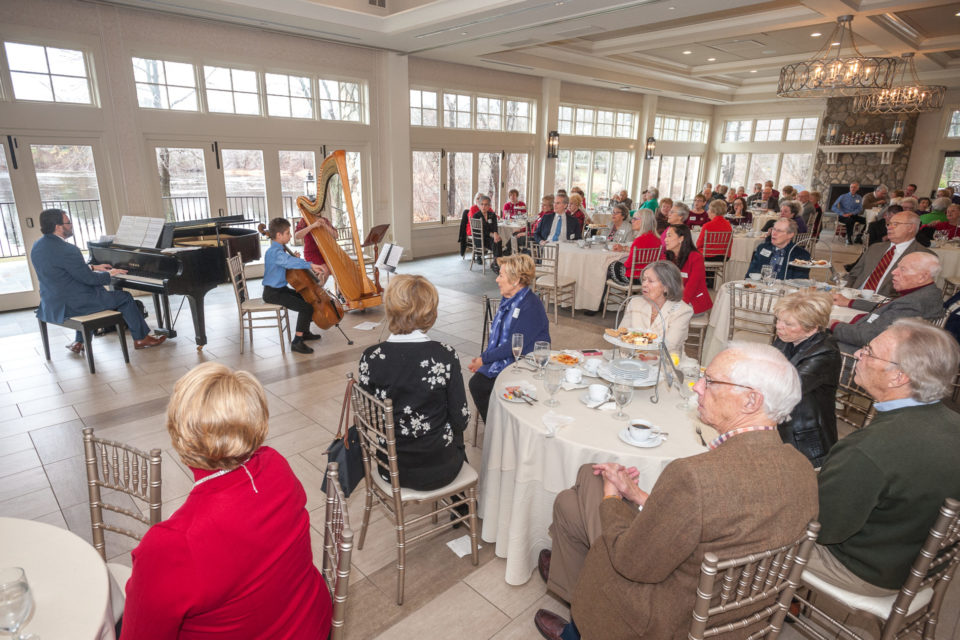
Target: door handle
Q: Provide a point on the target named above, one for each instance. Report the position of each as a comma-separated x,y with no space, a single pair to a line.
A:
29,222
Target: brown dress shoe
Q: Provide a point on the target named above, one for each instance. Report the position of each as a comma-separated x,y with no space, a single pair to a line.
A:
149,341
543,563
549,624
76,347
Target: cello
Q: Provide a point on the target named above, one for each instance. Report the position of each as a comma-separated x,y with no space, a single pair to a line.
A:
327,311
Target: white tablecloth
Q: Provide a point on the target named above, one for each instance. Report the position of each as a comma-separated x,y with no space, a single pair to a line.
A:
949,262
71,590
741,252
523,471
588,266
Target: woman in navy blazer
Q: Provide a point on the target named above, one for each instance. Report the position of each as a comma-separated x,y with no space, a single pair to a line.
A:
520,311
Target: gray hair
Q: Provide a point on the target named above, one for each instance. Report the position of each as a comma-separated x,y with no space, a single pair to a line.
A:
684,210
881,188
622,209
669,276
928,356
654,192
648,221
909,203
767,370
794,206
482,198
940,204
562,196
930,261
791,224
478,195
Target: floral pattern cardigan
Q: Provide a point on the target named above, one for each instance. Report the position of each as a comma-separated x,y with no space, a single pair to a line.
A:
423,379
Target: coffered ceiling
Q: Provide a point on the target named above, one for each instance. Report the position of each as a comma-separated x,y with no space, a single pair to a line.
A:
717,52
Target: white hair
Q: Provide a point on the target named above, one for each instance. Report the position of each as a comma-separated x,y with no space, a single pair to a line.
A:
928,356
930,261
764,368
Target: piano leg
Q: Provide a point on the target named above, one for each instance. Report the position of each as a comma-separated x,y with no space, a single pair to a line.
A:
199,323
165,299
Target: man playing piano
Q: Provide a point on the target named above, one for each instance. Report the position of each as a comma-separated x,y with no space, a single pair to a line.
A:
311,253
68,286
275,290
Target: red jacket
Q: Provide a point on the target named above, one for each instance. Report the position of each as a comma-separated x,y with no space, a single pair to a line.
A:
648,240
311,252
715,249
695,283
697,219
232,562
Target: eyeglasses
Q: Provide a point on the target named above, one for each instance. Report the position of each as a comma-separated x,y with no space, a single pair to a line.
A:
899,224
707,381
867,350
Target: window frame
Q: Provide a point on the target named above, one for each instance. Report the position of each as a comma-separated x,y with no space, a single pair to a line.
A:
585,121
740,133
568,164
953,124
312,99
693,126
166,85
438,109
89,69
362,99
258,79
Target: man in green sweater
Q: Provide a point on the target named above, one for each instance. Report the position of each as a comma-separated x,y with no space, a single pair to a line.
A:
881,487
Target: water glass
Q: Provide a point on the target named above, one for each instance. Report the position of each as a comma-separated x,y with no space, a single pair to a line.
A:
541,355
554,376
766,274
16,601
516,343
622,395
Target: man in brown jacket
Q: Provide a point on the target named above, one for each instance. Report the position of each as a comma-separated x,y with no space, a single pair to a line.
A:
632,573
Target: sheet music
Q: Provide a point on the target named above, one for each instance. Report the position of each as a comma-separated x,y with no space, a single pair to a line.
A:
137,231
389,257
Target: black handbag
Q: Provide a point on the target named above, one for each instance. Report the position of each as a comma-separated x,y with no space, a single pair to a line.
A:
345,450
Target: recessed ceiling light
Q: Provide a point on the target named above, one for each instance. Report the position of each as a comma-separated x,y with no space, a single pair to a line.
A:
815,34
463,33
711,59
834,44
672,8
957,14
686,53
753,70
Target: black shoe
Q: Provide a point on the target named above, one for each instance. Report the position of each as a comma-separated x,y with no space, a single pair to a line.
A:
307,335
300,346
590,312
543,563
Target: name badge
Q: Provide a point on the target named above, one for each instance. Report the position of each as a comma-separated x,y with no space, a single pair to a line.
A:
873,316
765,253
516,313
683,275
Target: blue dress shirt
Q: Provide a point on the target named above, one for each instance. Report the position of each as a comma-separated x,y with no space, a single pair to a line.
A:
848,203
890,405
275,264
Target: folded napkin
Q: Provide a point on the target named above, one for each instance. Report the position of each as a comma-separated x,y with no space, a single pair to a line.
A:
553,421
526,386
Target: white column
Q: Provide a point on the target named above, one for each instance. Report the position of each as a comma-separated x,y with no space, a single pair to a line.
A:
392,193
547,121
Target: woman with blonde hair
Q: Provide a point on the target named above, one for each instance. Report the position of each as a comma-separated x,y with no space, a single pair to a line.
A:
802,336
422,377
235,560
575,207
520,311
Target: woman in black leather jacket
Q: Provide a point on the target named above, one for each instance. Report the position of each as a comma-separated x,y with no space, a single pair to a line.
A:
802,318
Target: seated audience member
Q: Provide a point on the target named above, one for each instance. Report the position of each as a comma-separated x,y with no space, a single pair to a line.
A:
514,207
623,198
917,297
520,311
620,225
721,193
849,210
877,230
876,199
952,224
807,208
787,194
474,208
650,199
559,225
769,184
739,213
631,573
765,199
938,211
952,309
646,238
910,191
487,219
69,287
663,214
661,305
719,246
818,213
908,204
790,209
803,337
778,251
422,377
923,206
873,269
575,208
546,207
731,196
680,251
235,559
882,486
698,214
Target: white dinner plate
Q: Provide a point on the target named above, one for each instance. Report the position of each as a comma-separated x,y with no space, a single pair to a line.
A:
656,441
643,381
653,346
531,394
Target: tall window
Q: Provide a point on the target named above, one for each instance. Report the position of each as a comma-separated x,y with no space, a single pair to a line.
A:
162,84
48,74
341,101
737,130
599,173
768,130
795,169
426,186
676,177
294,168
733,169
953,131
745,169
459,182
457,112
516,178
423,108
489,114
669,128
289,96
802,128
232,90
763,167
565,120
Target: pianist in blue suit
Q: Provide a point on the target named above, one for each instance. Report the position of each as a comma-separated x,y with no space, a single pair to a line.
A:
69,287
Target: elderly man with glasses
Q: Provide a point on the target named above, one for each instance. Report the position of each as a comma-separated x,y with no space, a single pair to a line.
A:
881,486
918,297
874,269
779,250
628,560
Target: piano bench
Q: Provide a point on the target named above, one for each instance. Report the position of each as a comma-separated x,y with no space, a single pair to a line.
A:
86,325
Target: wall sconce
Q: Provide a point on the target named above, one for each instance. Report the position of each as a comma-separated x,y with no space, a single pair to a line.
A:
896,135
310,185
833,131
553,144
650,148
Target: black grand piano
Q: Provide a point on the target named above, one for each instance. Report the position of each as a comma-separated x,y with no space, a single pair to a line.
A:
190,259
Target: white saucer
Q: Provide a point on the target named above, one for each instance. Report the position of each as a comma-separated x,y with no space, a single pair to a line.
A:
585,398
653,442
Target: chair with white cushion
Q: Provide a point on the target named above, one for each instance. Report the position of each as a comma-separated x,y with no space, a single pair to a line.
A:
252,310
914,611
550,285
337,549
617,292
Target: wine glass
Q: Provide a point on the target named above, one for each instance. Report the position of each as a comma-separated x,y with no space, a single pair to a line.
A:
766,274
622,395
16,602
516,343
554,377
541,355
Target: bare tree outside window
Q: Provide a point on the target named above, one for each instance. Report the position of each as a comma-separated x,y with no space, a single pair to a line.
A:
426,186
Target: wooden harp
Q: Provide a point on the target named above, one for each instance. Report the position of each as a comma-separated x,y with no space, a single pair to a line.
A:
358,290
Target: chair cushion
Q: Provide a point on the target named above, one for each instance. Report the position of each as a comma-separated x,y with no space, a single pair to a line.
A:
562,281
464,479
257,304
879,607
619,286
701,320
99,315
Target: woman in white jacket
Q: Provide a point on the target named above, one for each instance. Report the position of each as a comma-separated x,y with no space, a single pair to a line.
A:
661,286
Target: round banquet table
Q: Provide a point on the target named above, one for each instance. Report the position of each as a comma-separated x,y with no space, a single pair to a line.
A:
741,252
507,228
71,590
715,340
949,262
523,470
588,266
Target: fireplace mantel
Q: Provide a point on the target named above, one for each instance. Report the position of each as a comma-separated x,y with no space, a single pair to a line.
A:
885,151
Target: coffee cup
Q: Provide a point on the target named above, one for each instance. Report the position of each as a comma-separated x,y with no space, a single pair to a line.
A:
591,366
755,276
598,392
867,294
573,375
642,431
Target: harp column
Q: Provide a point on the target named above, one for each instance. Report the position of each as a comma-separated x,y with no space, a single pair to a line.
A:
393,195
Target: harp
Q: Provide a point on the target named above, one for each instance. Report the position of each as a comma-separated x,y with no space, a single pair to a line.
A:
350,274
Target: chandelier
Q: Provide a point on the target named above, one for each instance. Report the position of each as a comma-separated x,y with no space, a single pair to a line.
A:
908,96
829,75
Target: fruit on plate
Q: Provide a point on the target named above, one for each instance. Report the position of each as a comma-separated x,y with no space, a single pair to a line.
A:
565,358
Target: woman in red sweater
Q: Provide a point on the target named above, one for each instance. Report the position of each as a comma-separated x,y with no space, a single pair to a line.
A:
235,560
644,224
680,251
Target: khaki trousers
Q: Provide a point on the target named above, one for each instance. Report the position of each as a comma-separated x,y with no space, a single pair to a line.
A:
826,566
576,523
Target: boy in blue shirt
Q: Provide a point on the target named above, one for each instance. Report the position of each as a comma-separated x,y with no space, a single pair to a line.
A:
275,290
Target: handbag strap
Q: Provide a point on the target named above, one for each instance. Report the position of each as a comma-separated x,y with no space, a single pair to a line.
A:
345,413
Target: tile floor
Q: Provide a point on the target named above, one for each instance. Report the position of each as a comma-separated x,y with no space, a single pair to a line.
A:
44,405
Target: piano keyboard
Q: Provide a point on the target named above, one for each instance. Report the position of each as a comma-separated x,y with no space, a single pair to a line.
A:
141,279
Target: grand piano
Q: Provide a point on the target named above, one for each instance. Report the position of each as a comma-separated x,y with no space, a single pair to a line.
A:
190,259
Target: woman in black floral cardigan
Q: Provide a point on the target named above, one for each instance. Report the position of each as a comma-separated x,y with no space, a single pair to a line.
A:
422,377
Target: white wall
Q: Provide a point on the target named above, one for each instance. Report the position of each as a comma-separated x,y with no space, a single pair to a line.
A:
929,145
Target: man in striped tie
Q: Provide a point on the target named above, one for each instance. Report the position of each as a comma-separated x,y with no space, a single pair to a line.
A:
874,270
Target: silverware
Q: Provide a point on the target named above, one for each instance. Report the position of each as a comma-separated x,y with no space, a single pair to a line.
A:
520,394
700,435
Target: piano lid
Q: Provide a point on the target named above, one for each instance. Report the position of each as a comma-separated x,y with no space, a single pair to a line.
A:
202,226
